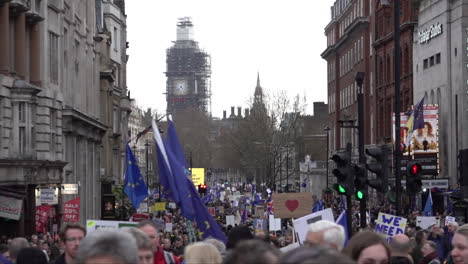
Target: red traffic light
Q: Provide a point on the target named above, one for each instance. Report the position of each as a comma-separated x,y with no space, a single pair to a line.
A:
202,186
415,168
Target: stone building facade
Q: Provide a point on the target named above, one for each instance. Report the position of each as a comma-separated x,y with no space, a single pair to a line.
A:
53,67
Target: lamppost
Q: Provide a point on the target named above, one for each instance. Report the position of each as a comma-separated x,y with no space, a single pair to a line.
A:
287,168
327,130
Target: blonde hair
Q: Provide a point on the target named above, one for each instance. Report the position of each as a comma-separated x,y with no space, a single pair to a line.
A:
463,230
202,252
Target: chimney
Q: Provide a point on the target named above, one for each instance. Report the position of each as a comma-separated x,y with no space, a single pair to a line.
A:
246,112
239,112
224,114
232,112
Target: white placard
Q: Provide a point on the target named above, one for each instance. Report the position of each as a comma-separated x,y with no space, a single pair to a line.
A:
230,220
274,223
10,207
449,220
301,224
172,205
426,221
390,225
168,227
93,225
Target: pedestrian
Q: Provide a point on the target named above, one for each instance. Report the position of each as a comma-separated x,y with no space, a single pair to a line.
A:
160,256
325,234
202,252
368,247
70,235
420,239
430,253
108,246
144,245
315,255
15,246
31,255
460,245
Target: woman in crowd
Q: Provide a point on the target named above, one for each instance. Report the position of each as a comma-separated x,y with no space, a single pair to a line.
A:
202,252
368,247
460,245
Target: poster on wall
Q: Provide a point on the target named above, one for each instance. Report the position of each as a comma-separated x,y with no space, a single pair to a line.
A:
10,207
423,140
71,211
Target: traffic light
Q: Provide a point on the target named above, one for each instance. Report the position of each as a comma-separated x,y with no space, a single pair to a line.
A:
345,182
379,167
413,177
360,183
202,189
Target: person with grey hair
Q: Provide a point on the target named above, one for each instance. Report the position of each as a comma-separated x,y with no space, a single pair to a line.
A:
219,245
15,247
109,246
144,245
430,253
326,234
400,247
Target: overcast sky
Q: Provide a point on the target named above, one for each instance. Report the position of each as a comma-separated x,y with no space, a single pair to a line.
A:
280,39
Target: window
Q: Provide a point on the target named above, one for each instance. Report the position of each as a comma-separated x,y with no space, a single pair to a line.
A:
115,38
53,119
53,58
21,112
437,58
425,64
22,140
431,61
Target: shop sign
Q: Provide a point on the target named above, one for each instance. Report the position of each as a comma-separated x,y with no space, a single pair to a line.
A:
48,196
426,35
69,188
10,207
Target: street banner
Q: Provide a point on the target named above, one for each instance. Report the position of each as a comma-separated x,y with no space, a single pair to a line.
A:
390,225
71,210
93,225
42,216
301,224
426,221
274,223
292,205
230,220
10,207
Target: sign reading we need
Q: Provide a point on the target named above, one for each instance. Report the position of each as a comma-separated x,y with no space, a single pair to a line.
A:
390,225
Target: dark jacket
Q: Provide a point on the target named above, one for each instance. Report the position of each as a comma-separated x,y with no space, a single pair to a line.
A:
59,260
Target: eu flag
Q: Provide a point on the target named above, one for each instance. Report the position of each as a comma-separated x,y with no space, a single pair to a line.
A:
134,186
343,221
416,120
172,175
428,206
318,206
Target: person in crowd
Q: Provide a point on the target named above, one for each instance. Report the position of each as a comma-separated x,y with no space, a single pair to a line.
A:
167,244
315,255
44,246
202,252
34,239
459,251
368,247
53,249
108,246
178,248
15,246
237,234
4,254
31,255
160,256
288,236
253,251
451,228
438,238
400,247
70,235
326,234
219,245
430,253
144,246
420,238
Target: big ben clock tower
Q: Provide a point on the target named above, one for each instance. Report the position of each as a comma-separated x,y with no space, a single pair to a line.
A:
188,73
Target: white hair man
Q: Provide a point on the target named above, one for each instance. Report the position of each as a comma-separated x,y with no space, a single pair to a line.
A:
326,234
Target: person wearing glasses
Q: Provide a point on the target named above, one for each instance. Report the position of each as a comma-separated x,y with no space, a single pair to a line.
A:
70,236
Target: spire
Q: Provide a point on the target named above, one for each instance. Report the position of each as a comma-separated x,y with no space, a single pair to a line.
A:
258,89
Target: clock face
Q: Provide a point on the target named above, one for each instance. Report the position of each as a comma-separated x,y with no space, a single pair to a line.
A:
180,87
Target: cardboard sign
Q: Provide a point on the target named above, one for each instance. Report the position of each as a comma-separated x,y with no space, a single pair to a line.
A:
71,210
292,205
230,220
426,221
301,225
161,206
390,225
259,211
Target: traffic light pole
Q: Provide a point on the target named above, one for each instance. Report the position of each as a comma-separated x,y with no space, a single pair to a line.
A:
349,197
397,149
362,157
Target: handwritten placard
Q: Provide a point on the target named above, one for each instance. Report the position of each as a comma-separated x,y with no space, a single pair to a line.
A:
390,225
289,205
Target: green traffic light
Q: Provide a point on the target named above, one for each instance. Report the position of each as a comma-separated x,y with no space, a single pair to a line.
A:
341,189
360,195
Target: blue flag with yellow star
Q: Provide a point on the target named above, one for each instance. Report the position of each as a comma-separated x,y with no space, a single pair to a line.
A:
134,185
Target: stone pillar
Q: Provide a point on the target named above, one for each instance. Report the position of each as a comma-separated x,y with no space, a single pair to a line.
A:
35,55
20,45
4,37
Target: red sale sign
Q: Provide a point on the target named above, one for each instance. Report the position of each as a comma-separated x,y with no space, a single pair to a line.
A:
42,215
71,210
